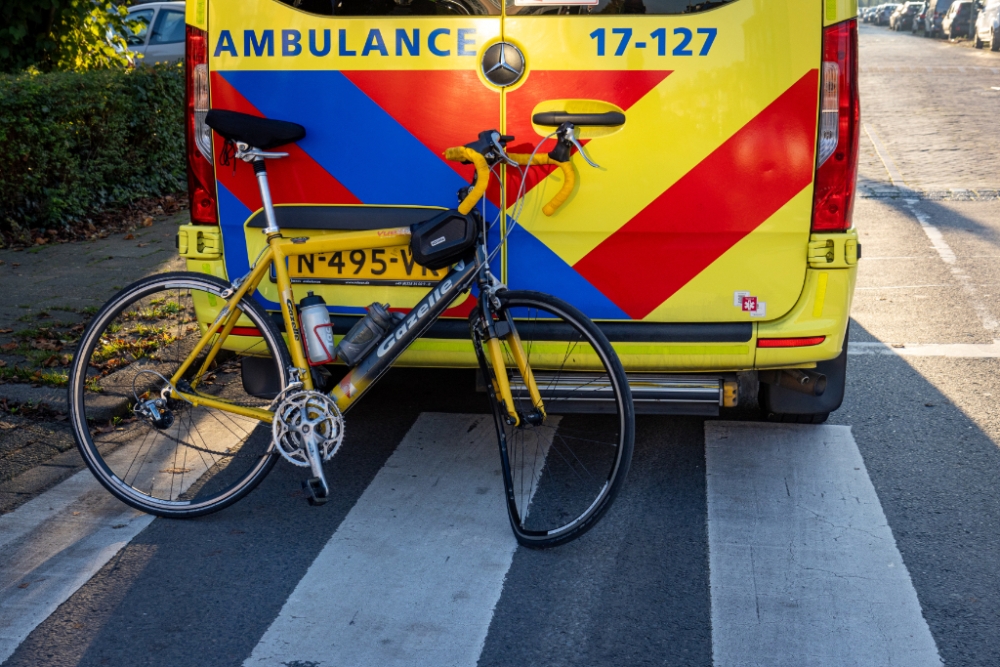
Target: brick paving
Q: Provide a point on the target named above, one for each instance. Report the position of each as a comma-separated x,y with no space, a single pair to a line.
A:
935,107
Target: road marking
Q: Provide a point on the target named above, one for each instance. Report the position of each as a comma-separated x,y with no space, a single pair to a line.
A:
948,257
884,287
804,569
52,545
413,573
894,176
954,350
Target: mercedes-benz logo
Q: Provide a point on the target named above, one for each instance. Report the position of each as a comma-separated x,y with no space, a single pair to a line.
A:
503,64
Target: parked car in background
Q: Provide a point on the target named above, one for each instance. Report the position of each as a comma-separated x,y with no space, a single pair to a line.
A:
157,32
882,17
956,22
933,16
902,18
988,26
918,19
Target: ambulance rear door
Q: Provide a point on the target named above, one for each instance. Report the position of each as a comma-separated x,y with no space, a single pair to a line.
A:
700,210
382,87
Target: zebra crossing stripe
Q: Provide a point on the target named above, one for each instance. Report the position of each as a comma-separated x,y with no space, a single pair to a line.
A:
413,573
54,544
804,569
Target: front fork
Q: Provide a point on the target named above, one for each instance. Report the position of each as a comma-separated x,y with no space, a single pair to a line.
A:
493,365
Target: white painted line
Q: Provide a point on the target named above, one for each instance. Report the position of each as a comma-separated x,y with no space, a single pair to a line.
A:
948,257
894,176
884,287
804,569
953,350
413,573
53,544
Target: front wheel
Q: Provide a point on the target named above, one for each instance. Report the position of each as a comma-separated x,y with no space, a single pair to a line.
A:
562,466
156,452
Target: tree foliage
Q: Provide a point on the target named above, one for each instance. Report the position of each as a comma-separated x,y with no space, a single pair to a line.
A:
48,35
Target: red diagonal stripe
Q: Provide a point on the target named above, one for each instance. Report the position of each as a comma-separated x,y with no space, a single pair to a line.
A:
728,195
440,108
296,179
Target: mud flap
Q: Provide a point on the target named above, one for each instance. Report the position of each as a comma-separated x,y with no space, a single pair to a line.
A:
775,400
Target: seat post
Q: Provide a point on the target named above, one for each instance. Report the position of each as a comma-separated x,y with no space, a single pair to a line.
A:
260,169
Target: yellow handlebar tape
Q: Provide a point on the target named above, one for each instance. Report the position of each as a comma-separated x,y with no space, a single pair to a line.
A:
569,178
463,154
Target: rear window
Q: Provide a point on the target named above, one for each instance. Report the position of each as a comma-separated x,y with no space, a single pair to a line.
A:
590,7
942,6
401,8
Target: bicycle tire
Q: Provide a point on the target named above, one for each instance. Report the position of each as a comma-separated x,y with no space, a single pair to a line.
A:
561,475
204,459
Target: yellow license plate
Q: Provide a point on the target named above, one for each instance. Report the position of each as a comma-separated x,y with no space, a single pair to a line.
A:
372,266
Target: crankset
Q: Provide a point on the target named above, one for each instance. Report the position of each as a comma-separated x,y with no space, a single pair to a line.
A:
308,429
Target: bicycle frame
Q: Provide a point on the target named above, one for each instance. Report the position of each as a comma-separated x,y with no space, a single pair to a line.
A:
459,278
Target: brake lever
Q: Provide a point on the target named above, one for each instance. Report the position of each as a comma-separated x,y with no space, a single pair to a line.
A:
499,149
567,140
579,148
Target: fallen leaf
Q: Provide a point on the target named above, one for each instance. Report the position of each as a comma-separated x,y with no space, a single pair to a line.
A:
24,585
77,626
6,330
15,264
7,347
141,245
2,363
118,525
41,241
129,237
147,222
76,514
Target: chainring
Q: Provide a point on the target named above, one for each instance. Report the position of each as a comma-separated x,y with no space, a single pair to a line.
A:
304,414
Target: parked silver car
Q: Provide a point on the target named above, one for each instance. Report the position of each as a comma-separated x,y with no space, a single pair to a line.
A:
988,26
956,22
157,32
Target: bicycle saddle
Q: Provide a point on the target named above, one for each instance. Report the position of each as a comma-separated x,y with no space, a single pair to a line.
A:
262,133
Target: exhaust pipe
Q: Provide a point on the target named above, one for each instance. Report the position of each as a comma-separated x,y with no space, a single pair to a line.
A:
810,383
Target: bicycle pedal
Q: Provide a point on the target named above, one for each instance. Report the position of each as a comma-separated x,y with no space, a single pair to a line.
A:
318,494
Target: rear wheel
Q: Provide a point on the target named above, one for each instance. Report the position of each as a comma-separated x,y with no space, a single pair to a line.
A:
173,458
561,470
976,42
994,41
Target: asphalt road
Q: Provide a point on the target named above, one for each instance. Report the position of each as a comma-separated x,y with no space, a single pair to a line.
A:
872,540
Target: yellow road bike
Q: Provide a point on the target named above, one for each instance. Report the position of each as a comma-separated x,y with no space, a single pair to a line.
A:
185,390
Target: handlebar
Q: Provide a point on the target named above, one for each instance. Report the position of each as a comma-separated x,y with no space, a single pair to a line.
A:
465,154
569,178
490,149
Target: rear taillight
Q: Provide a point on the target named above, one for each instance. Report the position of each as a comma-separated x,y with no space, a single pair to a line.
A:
201,178
839,123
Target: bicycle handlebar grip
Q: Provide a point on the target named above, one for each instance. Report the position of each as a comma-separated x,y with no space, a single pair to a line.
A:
463,154
569,178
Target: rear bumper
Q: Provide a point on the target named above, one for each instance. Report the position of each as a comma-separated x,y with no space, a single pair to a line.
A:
822,310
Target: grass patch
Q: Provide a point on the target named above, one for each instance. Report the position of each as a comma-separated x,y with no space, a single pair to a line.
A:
28,375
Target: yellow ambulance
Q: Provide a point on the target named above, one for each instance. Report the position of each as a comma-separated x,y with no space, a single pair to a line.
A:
714,243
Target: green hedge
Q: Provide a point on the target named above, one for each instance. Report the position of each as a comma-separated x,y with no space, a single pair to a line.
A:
78,142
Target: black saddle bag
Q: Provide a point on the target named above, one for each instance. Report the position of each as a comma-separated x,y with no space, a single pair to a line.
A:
444,239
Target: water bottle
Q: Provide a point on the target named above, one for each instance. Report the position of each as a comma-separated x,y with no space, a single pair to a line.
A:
366,333
317,331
